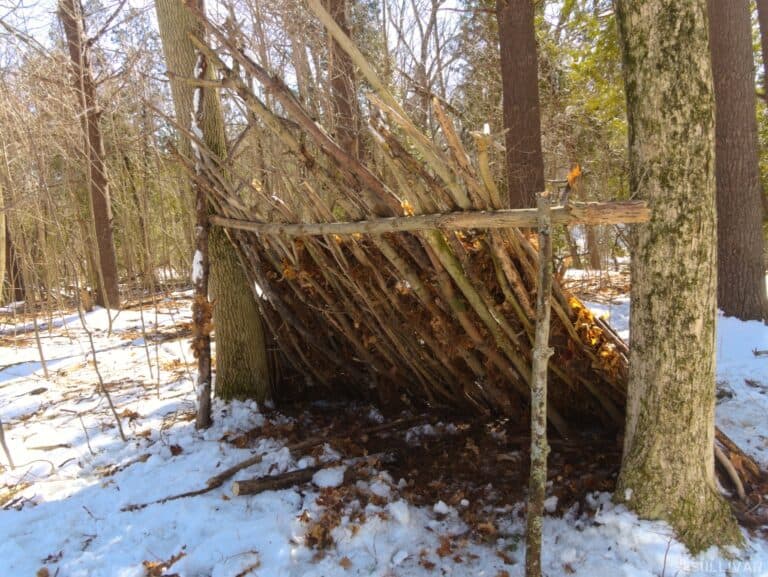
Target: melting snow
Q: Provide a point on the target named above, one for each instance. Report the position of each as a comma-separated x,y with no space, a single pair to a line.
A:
64,504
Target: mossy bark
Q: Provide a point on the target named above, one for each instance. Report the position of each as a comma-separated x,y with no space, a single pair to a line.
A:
668,466
242,369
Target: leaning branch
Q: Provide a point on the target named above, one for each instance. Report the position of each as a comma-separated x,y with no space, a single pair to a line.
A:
631,211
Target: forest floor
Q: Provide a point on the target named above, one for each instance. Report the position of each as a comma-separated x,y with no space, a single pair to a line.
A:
414,495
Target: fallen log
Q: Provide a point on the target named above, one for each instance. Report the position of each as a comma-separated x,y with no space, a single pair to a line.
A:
274,482
219,479
299,476
591,213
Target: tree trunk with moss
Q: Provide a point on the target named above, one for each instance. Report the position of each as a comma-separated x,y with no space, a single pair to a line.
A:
242,369
667,470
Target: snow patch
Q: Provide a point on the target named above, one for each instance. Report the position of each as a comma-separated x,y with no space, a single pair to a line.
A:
401,512
197,267
330,477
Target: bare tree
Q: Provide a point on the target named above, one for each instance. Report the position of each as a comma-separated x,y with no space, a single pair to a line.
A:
71,15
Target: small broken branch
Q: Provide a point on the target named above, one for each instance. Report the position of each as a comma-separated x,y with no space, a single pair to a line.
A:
5,446
731,471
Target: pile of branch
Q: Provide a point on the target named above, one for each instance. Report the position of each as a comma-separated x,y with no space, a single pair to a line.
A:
437,316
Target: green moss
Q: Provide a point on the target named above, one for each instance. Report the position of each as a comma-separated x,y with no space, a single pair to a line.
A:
700,517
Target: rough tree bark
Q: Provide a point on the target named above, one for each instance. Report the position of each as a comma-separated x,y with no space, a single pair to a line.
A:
242,369
343,87
667,470
522,118
740,265
71,16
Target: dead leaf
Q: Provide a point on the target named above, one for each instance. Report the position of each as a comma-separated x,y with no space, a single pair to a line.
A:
129,414
158,568
345,562
486,528
445,548
424,562
504,557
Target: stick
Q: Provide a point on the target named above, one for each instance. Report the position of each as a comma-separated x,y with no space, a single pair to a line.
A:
273,482
291,478
218,480
732,474
631,211
541,354
202,312
5,446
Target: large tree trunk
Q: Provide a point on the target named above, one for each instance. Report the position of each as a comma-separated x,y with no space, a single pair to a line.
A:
242,369
668,465
71,15
343,86
740,268
520,84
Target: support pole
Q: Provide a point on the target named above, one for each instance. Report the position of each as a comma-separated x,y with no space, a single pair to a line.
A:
202,313
202,310
629,211
541,353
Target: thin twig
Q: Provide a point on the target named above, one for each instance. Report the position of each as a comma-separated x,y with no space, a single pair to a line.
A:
5,446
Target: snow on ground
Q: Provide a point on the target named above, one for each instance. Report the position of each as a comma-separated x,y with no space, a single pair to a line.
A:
742,376
66,505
